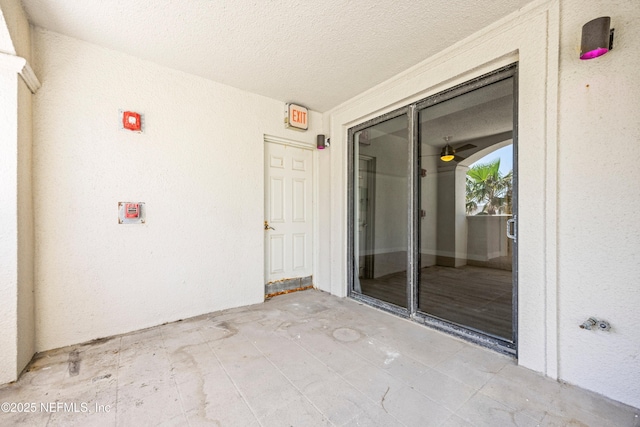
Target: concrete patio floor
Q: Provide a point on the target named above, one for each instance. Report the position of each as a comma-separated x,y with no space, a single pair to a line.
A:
302,359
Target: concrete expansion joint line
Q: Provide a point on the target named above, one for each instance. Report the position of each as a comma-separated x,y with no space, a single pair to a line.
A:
290,382
175,383
118,375
235,385
342,376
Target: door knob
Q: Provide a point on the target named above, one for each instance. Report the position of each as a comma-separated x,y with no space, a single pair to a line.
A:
267,226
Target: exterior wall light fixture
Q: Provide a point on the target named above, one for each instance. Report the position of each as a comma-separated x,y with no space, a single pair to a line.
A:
597,38
322,142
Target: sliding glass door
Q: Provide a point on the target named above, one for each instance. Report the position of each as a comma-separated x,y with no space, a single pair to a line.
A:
380,152
433,204
466,256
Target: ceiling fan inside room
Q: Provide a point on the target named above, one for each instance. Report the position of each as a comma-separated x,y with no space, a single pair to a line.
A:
449,153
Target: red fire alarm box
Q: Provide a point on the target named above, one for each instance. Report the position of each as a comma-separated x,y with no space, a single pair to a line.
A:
132,121
131,213
132,210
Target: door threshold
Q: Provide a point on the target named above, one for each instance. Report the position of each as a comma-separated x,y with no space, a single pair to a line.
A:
470,335
285,286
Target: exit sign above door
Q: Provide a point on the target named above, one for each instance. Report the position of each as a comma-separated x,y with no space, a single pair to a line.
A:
296,117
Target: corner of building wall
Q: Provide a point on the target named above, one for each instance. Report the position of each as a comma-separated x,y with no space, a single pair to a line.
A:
338,207
322,262
9,250
19,314
26,227
17,27
551,190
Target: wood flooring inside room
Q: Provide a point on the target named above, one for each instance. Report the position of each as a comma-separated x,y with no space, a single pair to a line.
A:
475,297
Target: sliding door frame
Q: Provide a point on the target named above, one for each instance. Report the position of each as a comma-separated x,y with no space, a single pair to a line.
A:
351,219
413,227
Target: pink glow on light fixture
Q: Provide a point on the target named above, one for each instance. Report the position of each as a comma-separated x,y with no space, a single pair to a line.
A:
322,142
597,38
594,53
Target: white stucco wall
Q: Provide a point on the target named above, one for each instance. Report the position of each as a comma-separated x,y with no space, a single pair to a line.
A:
13,23
17,236
529,37
9,229
6,45
26,240
323,221
198,166
576,258
599,203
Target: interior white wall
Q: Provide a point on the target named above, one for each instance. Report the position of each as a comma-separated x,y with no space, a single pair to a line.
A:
198,166
451,249
390,195
447,221
599,202
429,196
390,200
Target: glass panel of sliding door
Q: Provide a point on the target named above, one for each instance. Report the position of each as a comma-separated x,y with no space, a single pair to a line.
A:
380,164
466,200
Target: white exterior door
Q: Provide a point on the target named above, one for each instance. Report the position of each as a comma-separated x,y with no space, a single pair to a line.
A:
288,212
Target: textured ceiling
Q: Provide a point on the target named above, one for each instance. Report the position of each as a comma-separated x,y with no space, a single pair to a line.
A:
317,53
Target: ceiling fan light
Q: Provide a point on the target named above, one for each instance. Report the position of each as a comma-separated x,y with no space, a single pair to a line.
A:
447,154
